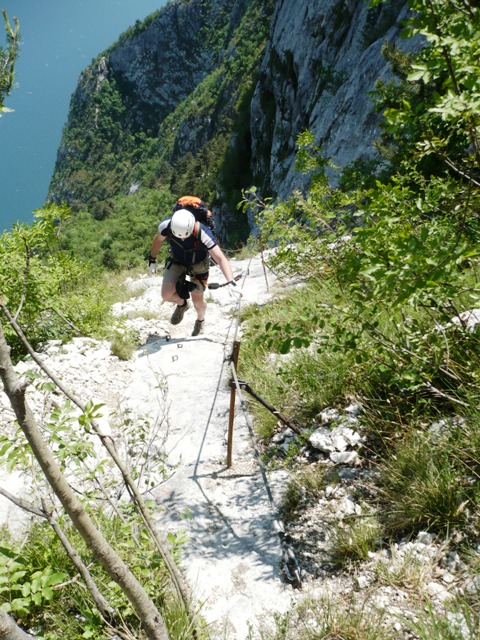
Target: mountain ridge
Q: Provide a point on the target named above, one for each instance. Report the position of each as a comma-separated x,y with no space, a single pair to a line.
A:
222,111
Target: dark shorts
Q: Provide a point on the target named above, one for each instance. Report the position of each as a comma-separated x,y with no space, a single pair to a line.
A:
174,271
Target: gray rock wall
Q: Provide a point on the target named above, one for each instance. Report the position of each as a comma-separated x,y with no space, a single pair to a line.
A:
317,71
163,63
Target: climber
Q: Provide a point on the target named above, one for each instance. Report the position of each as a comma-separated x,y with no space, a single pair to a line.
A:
191,245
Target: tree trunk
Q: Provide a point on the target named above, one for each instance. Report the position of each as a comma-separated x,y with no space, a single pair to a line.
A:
10,631
149,615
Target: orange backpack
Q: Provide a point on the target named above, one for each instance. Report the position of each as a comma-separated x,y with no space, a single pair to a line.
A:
199,209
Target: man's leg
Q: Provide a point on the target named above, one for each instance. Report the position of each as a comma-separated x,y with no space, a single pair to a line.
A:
200,307
199,304
201,278
169,292
170,277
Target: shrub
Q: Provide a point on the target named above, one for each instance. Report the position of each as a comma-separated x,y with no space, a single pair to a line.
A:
430,484
353,540
329,618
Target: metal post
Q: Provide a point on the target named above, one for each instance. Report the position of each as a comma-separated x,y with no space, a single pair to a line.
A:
233,391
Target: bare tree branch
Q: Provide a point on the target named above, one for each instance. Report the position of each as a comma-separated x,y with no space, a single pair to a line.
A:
66,320
25,278
107,442
148,613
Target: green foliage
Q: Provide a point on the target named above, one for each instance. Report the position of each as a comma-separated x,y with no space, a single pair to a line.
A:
460,620
405,571
222,162
329,618
432,116
404,258
38,582
354,540
147,464
403,252
386,273
123,238
105,150
302,382
71,438
23,587
41,588
51,294
123,346
380,271
432,483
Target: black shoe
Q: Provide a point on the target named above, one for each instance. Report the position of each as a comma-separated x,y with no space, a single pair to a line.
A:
198,328
179,312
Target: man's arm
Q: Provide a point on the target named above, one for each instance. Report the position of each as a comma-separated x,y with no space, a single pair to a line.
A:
158,240
222,261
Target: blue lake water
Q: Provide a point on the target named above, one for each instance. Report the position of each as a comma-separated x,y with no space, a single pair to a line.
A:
59,39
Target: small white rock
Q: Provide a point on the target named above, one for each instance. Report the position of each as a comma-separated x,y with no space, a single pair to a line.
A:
363,582
321,439
328,415
344,457
438,591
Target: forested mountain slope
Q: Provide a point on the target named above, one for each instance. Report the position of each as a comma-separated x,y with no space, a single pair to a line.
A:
166,106
210,96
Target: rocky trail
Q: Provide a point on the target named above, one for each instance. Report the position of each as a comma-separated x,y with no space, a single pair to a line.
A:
231,554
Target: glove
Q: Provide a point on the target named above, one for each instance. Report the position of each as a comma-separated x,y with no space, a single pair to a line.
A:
233,283
152,264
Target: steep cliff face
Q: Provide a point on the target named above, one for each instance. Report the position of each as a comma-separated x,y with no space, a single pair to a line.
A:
322,60
158,94
162,64
210,96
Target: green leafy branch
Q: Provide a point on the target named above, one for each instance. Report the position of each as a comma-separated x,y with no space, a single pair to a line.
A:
8,57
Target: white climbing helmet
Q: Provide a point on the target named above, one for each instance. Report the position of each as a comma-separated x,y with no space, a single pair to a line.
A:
182,223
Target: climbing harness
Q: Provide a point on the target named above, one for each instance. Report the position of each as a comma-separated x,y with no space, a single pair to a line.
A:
184,285
197,231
